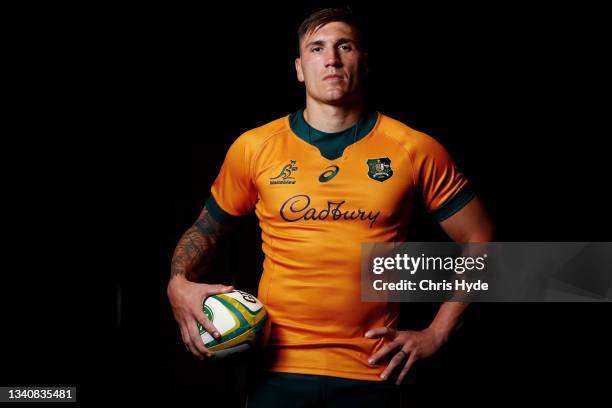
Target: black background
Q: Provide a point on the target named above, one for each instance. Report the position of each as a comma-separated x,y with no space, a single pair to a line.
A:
122,118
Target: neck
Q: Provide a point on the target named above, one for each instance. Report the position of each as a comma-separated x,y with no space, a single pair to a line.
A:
330,118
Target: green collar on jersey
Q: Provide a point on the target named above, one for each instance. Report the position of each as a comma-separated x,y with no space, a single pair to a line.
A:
332,145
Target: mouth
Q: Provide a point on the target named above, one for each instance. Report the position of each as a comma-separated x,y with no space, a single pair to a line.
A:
333,77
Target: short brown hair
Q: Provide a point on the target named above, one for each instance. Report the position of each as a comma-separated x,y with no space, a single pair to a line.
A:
329,15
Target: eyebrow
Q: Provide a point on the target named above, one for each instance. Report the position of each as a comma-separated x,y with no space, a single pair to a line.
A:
338,42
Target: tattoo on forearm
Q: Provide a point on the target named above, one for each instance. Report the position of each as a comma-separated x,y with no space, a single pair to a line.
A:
197,246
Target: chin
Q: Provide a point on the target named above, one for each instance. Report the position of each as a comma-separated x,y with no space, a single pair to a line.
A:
341,98
335,96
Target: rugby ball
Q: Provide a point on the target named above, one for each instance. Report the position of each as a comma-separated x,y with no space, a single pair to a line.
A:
241,320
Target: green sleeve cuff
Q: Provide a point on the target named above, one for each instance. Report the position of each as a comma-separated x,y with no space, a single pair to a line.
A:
456,203
219,213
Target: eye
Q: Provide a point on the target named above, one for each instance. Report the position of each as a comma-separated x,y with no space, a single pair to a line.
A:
316,49
345,47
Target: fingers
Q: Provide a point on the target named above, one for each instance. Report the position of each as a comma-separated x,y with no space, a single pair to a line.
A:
187,305
384,350
386,332
185,336
192,339
411,360
208,326
397,359
188,343
201,317
196,342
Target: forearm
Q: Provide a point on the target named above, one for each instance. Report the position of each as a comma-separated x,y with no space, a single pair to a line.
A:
471,224
196,248
448,317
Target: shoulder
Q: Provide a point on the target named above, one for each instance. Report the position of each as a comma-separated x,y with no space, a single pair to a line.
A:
254,139
412,140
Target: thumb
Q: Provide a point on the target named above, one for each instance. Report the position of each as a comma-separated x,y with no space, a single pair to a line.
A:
214,289
225,288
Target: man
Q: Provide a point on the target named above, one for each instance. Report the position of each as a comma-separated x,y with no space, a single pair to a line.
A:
322,181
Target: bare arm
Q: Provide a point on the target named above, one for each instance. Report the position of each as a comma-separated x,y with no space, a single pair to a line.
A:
192,258
470,224
197,247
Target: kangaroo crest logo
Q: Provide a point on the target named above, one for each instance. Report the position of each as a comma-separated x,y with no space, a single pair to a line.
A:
380,169
285,175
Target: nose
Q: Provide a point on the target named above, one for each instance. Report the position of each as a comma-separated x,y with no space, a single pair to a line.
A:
332,58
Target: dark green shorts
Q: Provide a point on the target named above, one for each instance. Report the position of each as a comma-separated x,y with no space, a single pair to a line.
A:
300,390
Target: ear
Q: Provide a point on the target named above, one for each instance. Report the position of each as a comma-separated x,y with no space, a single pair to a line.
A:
298,69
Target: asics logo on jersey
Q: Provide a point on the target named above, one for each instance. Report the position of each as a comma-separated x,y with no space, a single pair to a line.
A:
298,208
284,177
329,174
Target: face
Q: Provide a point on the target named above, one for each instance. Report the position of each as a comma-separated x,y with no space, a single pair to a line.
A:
331,64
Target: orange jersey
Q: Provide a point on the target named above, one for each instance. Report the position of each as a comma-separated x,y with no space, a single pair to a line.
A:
314,214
